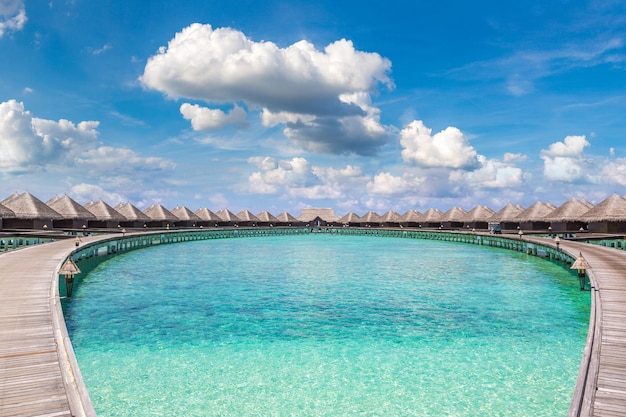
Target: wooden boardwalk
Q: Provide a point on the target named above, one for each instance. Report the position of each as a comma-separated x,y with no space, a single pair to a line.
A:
39,375
36,377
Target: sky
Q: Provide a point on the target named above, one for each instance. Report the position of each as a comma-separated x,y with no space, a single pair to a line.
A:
281,105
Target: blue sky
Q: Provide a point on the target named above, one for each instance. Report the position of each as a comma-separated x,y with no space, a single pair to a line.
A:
280,105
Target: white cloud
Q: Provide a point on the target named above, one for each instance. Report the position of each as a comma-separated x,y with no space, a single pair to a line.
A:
203,118
297,178
321,96
614,172
446,149
387,184
12,16
110,159
491,174
91,192
29,143
565,161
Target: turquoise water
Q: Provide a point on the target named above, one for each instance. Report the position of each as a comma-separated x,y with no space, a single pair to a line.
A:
327,325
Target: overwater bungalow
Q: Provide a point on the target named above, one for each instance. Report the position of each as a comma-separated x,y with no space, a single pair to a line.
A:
350,219
135,218
390,219
207,217
608,216
507,217
534,217
186,217
74,216
30,213
247,218
286,219
431,218
478,218
267,219
159,216
411,218
106,216
568,216
318,217
227,218
5,213
371,219
453,218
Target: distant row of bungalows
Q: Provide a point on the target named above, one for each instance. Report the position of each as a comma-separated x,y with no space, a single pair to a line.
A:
25,211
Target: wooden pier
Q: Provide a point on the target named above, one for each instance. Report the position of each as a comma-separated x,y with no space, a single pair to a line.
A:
39,375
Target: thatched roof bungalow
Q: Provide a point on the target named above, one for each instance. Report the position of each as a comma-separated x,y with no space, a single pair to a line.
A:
568,216
608,216
350,219
134,217
247,218
267,219
74,215
287,219
453,218
29,211
478,218
431,218
207,217
318,216
159,216
186,217
507,216
411,218
390,219
534,217
5,213
106,216
227,218
371,219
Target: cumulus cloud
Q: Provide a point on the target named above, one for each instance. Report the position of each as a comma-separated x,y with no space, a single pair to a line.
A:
110,159
29,143
203,118
298,178
320,95
92,192
491,173
387,184
12,16
446,149
565,161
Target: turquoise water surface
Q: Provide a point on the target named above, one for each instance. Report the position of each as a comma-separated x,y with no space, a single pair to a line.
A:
328,325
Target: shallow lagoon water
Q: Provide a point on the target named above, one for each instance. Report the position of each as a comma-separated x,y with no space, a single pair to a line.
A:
330,325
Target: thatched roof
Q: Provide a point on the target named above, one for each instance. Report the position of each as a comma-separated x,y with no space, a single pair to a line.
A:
613,208
227,216
131,212
326,214
207,215
536,212
285,217
371,217
157,212
69,208
184,214
266,216
6,213
247,216
104,212
351,217
412,216
508,213
390,217
479,214
455,214
431,215
572,210
27,206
